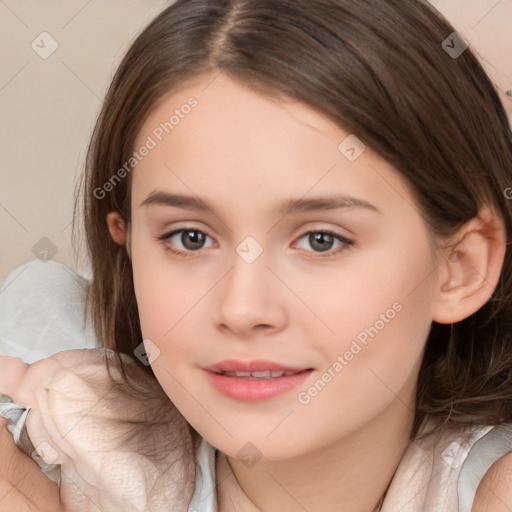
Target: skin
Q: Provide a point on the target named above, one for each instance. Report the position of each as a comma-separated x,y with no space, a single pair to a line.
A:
243,154
21,482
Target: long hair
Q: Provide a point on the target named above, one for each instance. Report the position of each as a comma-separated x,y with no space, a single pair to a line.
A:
380,69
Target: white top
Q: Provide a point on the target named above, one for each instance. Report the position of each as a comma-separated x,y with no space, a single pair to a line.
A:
41,313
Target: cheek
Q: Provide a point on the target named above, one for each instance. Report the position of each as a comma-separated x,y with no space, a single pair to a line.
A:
164,293
373,363
168,304
376,318
369,319
168,317
370,291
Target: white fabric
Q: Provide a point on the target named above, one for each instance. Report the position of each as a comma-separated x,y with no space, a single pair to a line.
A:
41,311
485,453
204,498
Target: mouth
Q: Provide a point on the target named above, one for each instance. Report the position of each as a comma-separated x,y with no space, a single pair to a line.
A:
255,381
261,375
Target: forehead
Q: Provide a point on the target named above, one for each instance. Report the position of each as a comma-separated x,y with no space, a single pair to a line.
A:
215,137
214,106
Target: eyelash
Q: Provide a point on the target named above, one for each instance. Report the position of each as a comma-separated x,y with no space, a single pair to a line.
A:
327,254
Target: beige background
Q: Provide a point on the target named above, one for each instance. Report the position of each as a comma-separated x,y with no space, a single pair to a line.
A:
48,106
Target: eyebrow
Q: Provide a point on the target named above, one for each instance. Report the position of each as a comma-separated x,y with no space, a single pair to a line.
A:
330,202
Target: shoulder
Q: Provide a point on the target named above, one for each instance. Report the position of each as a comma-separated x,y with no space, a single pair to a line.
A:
494,493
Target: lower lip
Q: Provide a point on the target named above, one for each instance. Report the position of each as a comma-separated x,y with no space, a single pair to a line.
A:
256,390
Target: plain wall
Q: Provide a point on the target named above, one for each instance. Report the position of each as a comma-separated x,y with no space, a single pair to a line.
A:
48,106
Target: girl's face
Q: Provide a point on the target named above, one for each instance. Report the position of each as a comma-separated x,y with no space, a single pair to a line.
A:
289,243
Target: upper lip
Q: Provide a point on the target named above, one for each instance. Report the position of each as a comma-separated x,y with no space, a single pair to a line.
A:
256,365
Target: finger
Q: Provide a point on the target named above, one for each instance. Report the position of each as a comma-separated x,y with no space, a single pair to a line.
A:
11,499
22,484
12,372
25,383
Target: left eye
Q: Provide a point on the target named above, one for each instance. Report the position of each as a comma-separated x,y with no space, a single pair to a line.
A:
323,241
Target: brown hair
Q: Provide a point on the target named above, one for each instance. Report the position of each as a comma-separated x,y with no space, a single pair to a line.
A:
378,69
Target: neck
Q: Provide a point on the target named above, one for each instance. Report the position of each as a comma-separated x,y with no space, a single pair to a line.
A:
349,475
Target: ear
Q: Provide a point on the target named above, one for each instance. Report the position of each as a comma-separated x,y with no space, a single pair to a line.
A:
470,268
116,227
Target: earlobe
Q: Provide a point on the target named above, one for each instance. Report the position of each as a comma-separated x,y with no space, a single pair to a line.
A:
116,227
471,268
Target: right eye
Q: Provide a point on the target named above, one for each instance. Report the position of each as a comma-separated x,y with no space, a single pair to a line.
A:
187,241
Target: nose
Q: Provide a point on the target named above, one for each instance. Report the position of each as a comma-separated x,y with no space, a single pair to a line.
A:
250,300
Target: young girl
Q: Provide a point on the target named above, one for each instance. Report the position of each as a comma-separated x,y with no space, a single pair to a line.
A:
298,217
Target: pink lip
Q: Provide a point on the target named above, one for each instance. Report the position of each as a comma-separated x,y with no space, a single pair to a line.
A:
256,365
254,390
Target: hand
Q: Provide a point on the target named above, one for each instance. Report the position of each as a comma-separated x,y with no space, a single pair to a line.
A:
119,450
22,484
